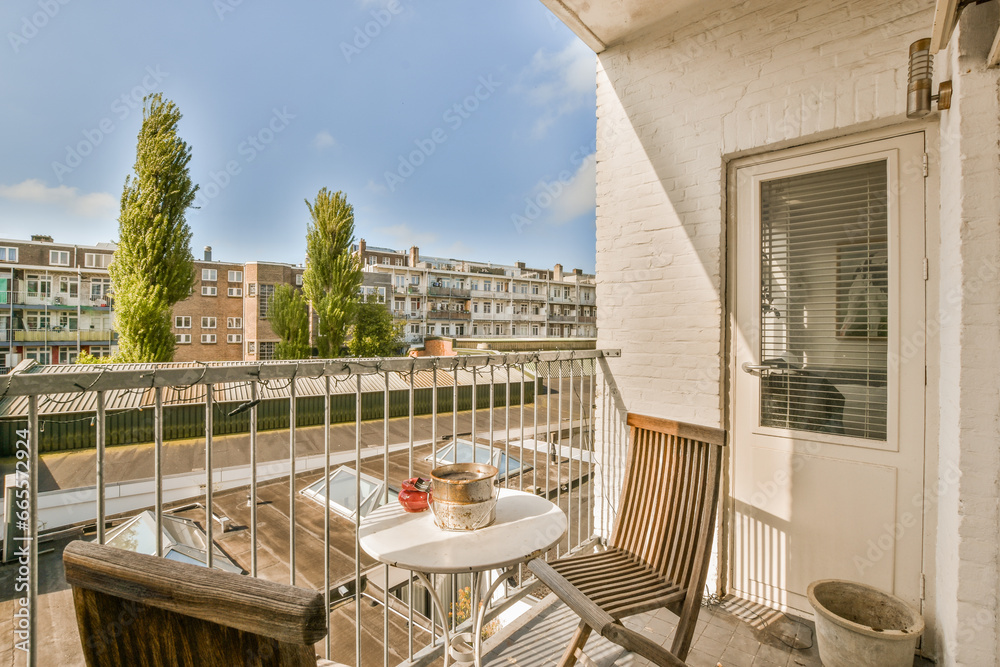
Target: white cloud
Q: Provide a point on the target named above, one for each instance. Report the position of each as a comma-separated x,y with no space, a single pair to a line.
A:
92,205
376,188
571,197
558,82
324,140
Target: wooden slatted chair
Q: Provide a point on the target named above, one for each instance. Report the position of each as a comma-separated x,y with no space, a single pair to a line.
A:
136,609
660,546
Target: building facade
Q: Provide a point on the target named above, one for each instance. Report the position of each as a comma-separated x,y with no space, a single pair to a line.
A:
55,301
434,296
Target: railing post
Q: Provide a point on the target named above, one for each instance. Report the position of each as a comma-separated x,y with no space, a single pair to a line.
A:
157,464
34,444
210,550
101,426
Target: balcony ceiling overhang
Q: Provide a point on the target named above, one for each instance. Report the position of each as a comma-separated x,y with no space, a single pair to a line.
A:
601,23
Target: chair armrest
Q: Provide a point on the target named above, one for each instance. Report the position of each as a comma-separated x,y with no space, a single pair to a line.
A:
586,609
284,613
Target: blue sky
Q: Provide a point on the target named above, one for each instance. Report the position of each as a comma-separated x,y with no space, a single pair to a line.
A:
464,127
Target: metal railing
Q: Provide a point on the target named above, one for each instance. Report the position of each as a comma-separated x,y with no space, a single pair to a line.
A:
541,404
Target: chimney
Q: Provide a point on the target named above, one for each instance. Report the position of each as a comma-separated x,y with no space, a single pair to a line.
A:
361,247
557,273
44,238
414,256
208,253
520,265
577,272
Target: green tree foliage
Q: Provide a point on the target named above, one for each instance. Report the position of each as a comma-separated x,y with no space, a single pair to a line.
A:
373,333
333,272
153,268
288,313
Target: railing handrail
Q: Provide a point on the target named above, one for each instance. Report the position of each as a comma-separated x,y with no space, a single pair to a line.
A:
104,377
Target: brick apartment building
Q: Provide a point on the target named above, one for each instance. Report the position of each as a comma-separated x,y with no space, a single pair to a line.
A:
56,301
434,296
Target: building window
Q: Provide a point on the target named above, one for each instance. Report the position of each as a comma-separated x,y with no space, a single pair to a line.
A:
99,288
298,280
430,329
8,254
459,329
499,309
251,289
415,280
534,331
93,260
207,338
475,329
524,309
399,261
500,329
234,322
235,291
182,322
182,339
36,321
266,294
235,276
534,289
487,285
445,330
487,330
209,274
234,338
39,286
208,323
414,328
487,307
250,347
209,290
69,286
40,356
67,355
267,350
59,257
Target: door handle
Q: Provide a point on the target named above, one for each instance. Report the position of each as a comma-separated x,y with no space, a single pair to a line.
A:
754,368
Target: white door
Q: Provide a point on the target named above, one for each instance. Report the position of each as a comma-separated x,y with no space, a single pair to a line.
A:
828,383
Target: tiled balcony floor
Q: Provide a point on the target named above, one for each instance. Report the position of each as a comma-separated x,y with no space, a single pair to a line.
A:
733,633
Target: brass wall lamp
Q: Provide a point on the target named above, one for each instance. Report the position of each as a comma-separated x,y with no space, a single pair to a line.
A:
919,88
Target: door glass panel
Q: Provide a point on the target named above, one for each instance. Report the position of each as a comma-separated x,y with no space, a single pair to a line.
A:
824,301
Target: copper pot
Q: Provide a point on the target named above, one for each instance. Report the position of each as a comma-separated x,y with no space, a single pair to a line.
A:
463,495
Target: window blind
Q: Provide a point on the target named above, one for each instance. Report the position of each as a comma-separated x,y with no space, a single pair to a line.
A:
824,301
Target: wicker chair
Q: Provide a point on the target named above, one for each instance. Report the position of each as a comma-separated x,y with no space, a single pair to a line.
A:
660,547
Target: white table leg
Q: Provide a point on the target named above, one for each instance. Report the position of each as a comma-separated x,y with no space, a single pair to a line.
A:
477,626
436,600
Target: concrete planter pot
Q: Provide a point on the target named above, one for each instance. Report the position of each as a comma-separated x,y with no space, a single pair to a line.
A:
860,626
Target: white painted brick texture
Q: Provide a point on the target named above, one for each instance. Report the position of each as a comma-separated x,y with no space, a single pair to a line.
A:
674,104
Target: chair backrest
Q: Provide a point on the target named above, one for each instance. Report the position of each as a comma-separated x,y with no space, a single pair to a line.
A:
135,609
666,516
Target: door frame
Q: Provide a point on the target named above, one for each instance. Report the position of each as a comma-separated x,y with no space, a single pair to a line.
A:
931,135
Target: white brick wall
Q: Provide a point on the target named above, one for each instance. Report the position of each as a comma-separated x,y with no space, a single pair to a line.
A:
968,517
679,100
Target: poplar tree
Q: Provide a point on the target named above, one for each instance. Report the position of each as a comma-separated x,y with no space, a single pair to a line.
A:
288,313
153,267
333,273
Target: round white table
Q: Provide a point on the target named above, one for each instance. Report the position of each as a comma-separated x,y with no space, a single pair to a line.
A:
526,527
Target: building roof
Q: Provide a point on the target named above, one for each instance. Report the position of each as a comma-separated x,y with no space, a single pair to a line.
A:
232,392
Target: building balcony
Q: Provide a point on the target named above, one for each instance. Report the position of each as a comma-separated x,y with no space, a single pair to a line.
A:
414,289
448,315
562,319
30,299
433,290
64,335
588,319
